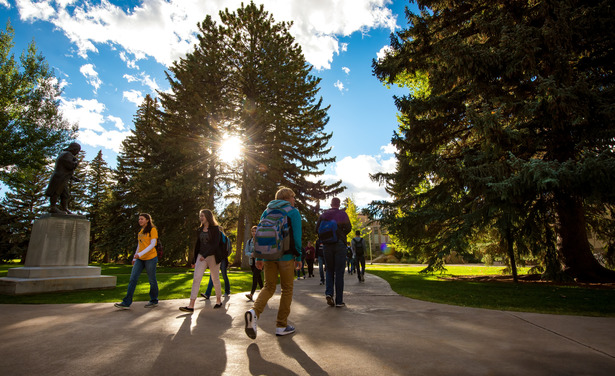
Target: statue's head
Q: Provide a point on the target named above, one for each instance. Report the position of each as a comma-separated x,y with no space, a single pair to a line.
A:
74,148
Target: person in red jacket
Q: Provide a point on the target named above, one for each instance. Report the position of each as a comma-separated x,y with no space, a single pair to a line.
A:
310,255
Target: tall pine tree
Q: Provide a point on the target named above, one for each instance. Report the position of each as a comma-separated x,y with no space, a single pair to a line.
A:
246,77
517,126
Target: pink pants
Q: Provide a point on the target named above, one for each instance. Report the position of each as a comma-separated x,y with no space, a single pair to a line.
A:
199,269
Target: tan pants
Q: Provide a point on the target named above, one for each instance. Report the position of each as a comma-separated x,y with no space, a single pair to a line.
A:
286,271
199,269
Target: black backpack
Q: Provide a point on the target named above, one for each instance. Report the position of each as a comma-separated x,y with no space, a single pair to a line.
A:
159,248
358,247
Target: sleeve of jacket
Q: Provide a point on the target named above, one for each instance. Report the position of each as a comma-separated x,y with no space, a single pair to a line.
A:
295,222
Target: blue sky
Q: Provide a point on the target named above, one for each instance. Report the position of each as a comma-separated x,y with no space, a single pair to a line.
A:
108,55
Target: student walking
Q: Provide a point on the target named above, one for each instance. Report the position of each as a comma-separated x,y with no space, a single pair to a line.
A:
145,257
333,226
207,254
310,255
227,250
257,278
283,267
358,249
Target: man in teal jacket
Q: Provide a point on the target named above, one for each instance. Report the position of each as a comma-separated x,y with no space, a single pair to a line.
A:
285,267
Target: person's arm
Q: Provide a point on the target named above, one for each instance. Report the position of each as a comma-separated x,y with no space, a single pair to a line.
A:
295,222
151,245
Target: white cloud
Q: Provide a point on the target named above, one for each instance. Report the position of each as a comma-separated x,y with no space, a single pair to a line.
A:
5,3
129,63
89,116
388,149
165,29
144,79
339,85
344,47
119,123
91,76
383,52
354,173
134,96
346,70
31,11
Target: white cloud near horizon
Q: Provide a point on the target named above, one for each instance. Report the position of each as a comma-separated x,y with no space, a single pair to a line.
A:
354,173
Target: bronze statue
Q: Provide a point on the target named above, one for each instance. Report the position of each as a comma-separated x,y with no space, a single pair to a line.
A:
63,173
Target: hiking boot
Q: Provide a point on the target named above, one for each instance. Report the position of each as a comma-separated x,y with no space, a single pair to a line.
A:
284,331
151,305
121,306
330,300
250,317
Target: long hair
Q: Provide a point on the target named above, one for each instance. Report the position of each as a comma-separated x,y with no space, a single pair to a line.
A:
211,219
150,223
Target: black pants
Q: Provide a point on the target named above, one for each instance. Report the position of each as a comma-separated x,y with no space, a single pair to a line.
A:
257,277
310,263
360,262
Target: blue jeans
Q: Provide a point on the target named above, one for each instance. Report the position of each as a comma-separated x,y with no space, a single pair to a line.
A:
227,285
335,259
137,268
321,266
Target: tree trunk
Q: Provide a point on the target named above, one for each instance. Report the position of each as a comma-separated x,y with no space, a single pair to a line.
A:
511,254
574,247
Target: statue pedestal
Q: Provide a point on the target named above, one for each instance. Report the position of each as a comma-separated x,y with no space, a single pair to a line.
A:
57,259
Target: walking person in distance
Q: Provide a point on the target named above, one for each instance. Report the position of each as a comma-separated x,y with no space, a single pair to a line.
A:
358,249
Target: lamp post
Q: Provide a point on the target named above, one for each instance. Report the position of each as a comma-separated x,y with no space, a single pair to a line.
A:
370,244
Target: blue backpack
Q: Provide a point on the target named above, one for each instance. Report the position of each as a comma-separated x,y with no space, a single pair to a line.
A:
272,237
225,244
327,231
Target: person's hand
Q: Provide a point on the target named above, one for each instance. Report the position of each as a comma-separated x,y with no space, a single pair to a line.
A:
201,258
259,264
297,265
133,261
192,266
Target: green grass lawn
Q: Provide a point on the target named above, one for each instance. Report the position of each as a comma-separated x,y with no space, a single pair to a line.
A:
175,283
525,297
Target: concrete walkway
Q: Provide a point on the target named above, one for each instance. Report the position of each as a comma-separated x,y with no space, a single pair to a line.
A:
378,333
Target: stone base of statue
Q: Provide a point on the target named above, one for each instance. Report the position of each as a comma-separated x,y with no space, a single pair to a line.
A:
57,259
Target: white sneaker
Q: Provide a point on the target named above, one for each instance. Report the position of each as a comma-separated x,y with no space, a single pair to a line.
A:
284,331
250,317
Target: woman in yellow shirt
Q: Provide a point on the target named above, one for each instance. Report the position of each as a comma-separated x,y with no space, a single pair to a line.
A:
146,258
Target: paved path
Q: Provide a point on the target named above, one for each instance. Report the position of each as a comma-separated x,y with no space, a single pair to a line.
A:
378,333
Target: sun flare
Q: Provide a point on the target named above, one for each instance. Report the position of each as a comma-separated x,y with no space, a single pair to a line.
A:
230,150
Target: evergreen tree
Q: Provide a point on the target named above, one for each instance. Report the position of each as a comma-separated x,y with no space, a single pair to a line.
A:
246,77
31,127
516,125
78,203
98,184
23,203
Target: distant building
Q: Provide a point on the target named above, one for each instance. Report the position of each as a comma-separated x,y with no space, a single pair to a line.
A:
378,238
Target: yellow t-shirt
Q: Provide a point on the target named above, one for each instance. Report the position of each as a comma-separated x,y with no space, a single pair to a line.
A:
144,242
